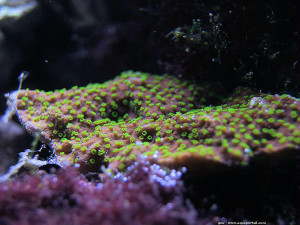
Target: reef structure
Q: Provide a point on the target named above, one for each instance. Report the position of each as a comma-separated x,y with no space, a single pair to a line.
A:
174,123
145,194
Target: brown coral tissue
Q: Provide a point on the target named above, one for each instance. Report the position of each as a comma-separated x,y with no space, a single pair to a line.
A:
174,122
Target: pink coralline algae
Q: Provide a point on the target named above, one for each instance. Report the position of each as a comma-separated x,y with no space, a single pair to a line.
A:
146,194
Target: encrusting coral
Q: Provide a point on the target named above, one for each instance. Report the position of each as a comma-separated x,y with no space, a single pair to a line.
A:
169,120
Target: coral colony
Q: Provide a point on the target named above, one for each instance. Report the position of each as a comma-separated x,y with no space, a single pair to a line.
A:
174,123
